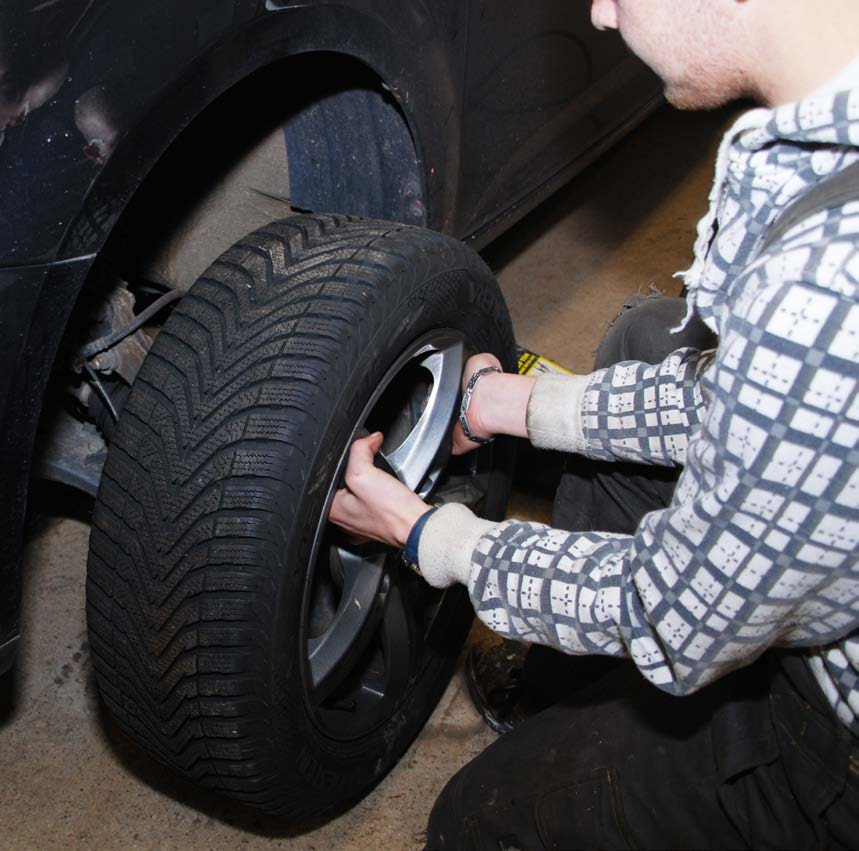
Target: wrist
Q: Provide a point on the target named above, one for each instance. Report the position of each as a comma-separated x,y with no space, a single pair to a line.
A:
410,551
411,513
503,406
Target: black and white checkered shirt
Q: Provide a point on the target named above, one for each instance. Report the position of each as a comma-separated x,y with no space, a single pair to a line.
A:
759,546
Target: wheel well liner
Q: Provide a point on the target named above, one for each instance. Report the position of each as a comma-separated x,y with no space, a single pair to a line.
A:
350,151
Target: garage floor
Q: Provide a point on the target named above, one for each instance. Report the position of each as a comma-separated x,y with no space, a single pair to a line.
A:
68,779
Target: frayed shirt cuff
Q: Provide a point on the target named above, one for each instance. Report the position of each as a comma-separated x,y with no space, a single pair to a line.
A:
554,416
447,543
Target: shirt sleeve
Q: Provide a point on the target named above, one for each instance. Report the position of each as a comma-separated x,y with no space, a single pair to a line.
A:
632,411
760,543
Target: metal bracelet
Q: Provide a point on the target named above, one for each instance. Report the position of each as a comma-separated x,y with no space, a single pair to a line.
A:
466,401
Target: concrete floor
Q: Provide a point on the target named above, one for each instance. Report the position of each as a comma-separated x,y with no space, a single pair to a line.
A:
69,780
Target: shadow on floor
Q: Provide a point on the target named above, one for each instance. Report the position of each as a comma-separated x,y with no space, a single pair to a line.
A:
52,501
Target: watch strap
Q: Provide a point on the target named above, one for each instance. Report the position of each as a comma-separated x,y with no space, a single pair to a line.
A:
410,551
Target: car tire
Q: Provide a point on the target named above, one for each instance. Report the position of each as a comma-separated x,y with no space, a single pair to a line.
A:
214,581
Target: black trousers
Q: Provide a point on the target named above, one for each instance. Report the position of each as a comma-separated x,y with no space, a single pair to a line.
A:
757,760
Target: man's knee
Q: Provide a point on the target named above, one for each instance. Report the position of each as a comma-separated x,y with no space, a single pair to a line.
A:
445,828
486,803
642,331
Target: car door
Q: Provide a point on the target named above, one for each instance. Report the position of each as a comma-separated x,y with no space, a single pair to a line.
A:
542,89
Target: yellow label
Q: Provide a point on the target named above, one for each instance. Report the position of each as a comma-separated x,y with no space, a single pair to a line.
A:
534,364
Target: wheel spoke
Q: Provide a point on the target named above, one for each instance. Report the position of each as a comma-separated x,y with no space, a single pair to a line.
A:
416,460
362,605
402,634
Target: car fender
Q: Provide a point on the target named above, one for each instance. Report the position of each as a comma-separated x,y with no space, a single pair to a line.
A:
72,158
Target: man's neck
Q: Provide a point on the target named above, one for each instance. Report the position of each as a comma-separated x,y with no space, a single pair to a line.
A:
802,45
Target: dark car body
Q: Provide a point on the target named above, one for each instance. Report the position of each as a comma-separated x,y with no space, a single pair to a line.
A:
460,115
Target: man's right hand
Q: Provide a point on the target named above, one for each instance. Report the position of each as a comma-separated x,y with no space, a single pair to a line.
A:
373,504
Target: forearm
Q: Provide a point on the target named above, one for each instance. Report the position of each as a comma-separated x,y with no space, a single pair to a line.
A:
630,412
646,413
526,579
683,623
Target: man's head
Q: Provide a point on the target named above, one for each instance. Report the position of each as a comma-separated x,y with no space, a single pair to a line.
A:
709,52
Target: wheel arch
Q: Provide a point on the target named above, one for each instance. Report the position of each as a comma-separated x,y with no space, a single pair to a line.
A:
341,142
126,194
